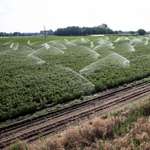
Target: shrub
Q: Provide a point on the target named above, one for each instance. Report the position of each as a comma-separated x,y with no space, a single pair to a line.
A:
58,106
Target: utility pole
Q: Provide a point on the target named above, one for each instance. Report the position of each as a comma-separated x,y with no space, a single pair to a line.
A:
45,31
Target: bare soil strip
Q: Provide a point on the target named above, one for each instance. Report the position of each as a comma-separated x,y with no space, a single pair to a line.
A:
55,122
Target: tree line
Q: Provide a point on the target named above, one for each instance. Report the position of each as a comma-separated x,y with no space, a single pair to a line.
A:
101,29
76,31
18,34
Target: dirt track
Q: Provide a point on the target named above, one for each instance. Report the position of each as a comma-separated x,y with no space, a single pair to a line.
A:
55,122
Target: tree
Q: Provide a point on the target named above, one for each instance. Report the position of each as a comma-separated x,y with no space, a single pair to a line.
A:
131,32
76,31
16,34
103,26
119,31
115,32
109,31
141,32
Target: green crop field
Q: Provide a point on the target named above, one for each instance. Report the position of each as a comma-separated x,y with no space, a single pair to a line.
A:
35,71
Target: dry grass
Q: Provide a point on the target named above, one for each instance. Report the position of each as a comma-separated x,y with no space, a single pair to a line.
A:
126,129
20,145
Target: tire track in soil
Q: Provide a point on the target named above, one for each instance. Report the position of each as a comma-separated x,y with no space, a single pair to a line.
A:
60,121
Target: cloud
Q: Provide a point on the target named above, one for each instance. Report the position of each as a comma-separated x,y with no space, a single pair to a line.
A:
32,15
5,7
3,10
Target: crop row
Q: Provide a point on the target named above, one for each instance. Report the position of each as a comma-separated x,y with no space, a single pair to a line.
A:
36,71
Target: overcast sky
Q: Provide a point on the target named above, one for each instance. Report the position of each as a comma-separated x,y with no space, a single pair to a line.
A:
32,15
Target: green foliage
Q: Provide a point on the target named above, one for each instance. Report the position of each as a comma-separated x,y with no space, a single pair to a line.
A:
26,82
104,139
135,141
42,103
88,116
76,31
141,31
100,146
41,137
82,97
58,106
81,147
66,105
76,101
115,129
132,32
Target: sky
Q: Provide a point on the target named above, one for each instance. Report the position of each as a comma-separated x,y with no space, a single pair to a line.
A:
32,15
